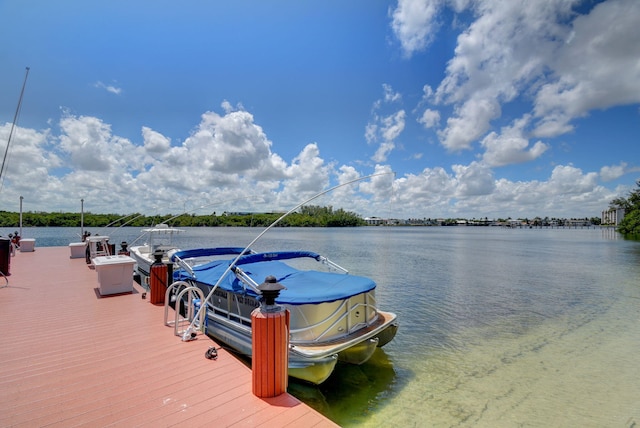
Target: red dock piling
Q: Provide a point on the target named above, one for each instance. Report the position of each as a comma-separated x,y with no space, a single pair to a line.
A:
270,352
158,281
270,343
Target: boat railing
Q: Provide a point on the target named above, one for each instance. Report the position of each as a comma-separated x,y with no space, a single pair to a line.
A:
345,315
332,264
276,255
236,318
186,259
246,279
184,265
288,255
194,298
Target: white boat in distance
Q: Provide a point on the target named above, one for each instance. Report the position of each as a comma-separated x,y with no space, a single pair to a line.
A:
159,238
333,315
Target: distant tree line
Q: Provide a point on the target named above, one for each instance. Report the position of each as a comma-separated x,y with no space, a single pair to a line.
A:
630,224
306,216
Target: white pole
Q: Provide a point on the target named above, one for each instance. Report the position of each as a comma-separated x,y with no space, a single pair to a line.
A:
82,218
15,120
21,198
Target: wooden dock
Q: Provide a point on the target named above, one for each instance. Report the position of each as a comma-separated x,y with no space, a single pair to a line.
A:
71,357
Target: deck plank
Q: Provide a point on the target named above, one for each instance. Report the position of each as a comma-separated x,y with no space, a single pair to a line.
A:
70,357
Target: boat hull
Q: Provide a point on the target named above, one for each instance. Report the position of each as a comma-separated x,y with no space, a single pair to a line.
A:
238,337
144,259
311,359
143,264
159,240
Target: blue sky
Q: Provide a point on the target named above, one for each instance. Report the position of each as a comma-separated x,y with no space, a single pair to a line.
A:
472,108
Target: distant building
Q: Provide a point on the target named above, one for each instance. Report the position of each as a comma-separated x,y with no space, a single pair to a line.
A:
577,223
375,221
612,216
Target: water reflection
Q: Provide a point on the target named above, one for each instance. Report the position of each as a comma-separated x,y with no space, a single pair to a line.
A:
352,392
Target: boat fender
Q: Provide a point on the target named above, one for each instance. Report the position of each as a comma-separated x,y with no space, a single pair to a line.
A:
212,353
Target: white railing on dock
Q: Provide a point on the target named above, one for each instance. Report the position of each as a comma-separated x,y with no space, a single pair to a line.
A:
193,296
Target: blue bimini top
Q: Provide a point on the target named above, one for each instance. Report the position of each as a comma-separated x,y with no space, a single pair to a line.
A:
207,252
302,286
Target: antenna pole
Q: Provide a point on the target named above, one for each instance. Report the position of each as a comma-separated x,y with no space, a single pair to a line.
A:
15,119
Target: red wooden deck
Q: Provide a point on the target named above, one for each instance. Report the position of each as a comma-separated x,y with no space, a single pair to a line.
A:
69,357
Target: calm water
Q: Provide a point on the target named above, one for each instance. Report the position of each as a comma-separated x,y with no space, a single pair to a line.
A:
499,327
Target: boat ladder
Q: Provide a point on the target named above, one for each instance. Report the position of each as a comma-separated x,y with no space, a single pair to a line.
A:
190,298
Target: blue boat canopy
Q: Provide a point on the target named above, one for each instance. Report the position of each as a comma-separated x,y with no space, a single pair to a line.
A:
302,286
207,252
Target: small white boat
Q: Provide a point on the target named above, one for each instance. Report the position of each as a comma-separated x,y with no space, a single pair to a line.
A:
333,315
159,239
